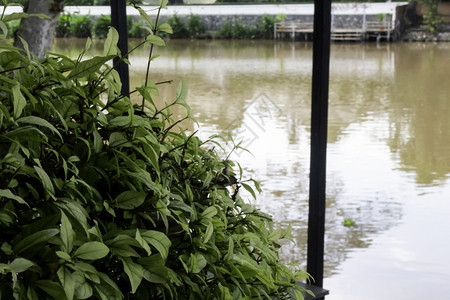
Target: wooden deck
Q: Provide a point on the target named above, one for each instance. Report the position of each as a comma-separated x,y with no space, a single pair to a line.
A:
369,29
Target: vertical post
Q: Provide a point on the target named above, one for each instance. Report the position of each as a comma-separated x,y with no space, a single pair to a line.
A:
119,22
319,122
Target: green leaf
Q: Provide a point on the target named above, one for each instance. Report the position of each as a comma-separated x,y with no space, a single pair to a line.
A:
67,281
110,46
83,289
8,194
117,139
98,142
134,271
209,212
33,120
158,240
46,182
249,189
144,15
18,16
52,288
155,40
89,66
19,101
130,199
20,265
4,29
63,255
35,239
92,251
66,233
142,242
208,233
165,28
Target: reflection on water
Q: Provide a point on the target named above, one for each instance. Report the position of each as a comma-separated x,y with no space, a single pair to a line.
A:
388,130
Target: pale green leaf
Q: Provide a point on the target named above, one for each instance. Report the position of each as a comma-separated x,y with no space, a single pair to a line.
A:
89,66
19,101
20,265
142,242
208,233
110,46
67,233
135,273
92,251
209,212
63,255
4,29
155,40
158,240
67,281
18,16
130,199
164,27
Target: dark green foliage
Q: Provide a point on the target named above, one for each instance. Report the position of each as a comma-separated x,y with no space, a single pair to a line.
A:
235,29
265,26
63,26
104,199
136,29
195,26
101,26
81,26
178,26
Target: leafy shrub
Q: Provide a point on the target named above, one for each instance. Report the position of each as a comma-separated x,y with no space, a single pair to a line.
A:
137,30
63,25
235,29
104,199
12,28
101,26
195,26
265,27
178,26
81,26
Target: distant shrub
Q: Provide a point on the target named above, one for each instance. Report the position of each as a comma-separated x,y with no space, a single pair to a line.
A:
81,26
136,29
101,26
195,26
235,29
178,26
264,28
63,25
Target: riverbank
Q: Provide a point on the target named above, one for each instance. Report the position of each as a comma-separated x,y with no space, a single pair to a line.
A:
345,16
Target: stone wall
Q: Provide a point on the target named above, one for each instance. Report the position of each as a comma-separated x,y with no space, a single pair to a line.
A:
215,22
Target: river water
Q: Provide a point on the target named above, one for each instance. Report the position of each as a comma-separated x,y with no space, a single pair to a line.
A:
388,149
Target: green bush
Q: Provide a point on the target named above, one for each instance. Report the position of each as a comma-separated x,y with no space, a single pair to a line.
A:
81,26
265,27
103,199
235,29
101,26
195,26
63,25
137,30
178,26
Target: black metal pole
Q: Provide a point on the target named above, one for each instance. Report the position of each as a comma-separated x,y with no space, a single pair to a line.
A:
119,22
319,122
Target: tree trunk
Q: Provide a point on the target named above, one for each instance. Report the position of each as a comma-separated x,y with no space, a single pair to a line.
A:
37,32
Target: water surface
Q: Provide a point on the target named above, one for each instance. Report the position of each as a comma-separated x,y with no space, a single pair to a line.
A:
388,153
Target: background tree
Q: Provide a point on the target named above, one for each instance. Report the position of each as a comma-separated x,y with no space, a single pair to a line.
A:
39,32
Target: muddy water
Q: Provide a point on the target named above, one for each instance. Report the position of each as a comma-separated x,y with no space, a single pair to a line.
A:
388,152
